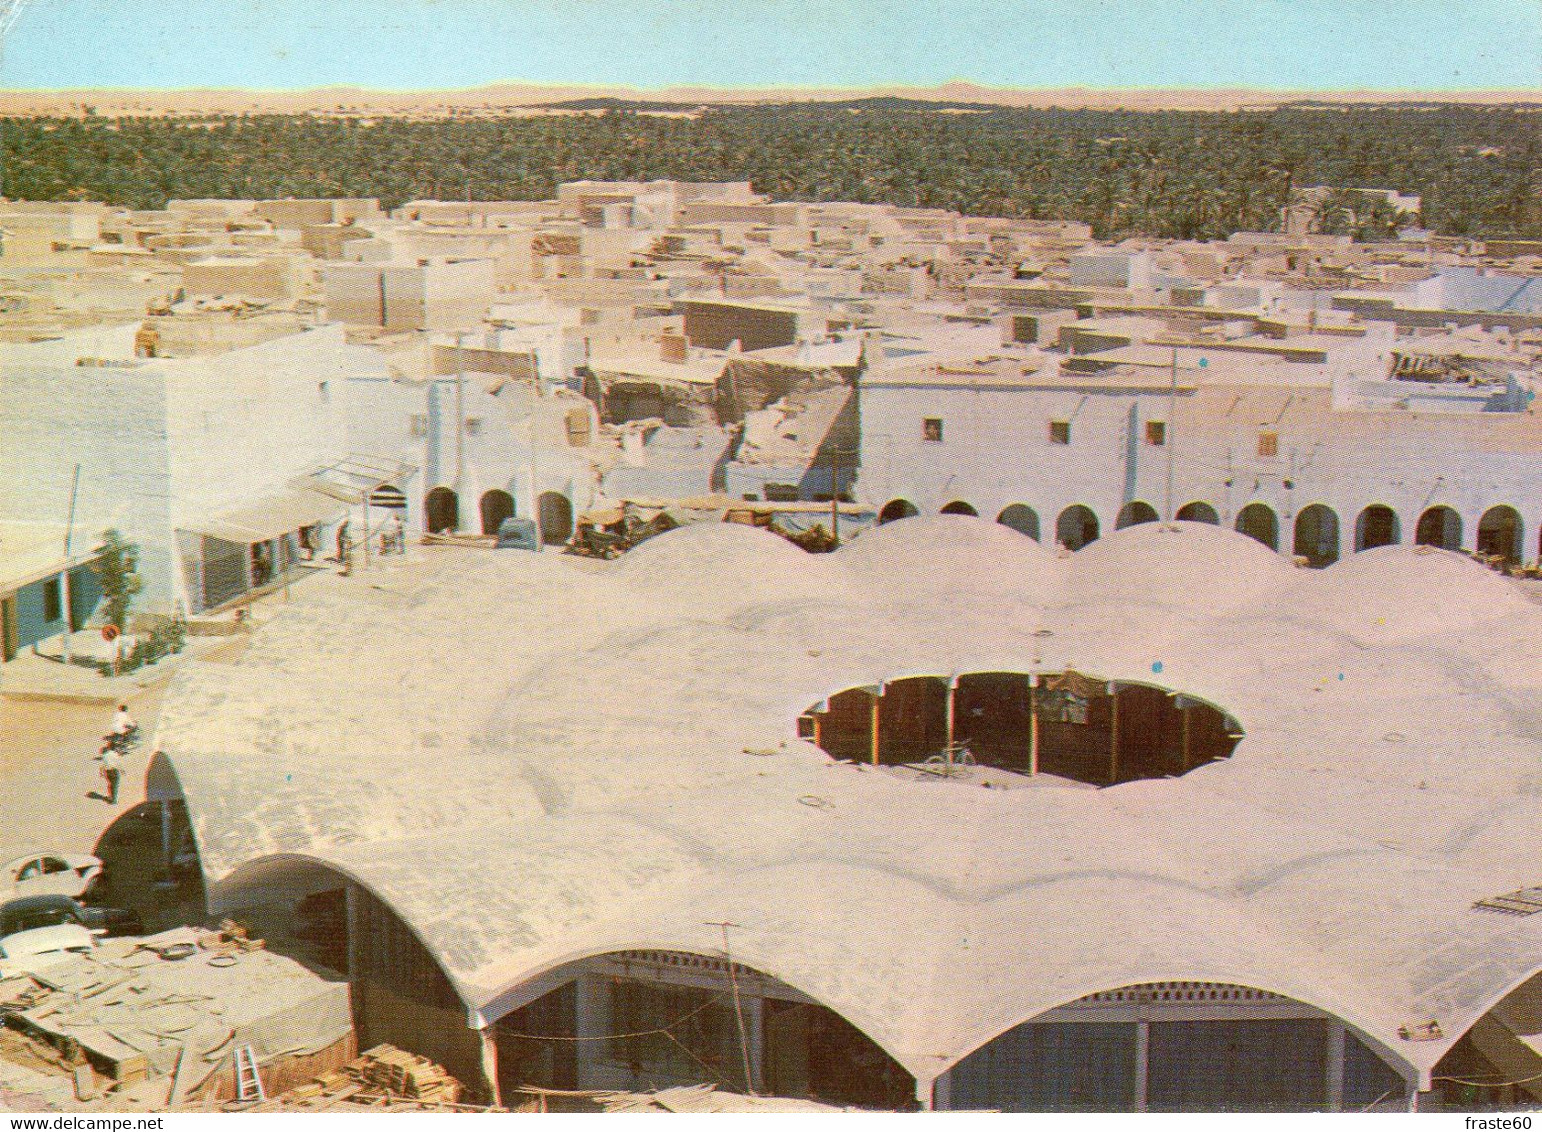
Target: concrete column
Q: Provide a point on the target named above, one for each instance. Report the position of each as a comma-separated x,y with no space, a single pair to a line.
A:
1188,742
1113,741
1335,1068
952,707
351,926
1142,1062
591,1016
873,737
490,1064
1033,725
930,1092
754,1027
940,1093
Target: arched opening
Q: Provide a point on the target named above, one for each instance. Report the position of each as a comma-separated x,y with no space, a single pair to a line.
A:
1199,512
1076,527
959,507
1495,1066
1177,1047
441,511
150,857
1376,526
1499,534
1439,526
1021,518
1133,513
1317,536
1258,521
996,726
897,509
652,1019
555,518
496,507
398,991
388,496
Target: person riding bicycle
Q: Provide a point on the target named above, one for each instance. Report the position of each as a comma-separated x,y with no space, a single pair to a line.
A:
124,730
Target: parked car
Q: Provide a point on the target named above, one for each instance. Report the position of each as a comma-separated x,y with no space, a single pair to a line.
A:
39,873
28,912
41,948
518,534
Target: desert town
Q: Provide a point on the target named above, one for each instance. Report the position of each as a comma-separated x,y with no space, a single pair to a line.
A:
551,635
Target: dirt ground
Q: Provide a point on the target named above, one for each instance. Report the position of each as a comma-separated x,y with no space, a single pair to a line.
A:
52,797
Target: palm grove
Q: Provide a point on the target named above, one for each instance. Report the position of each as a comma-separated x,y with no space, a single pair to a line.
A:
1172,174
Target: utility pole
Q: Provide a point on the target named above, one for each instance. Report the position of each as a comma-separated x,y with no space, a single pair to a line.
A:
733,982
64,580
835,498
1171,439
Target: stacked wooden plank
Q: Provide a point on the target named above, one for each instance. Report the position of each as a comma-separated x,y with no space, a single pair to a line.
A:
396,1072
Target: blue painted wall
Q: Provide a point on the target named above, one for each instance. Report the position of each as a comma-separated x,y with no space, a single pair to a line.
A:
31,624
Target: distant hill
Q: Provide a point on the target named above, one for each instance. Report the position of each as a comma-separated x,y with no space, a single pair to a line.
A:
524,99
618,104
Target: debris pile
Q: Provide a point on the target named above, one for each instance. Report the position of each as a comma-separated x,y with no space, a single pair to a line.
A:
399,1073
156,1022
382,1078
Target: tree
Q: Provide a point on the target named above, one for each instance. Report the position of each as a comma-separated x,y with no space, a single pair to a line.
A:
117,566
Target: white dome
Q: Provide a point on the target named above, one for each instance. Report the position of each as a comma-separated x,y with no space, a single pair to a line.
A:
953,553
1402,593
1193,565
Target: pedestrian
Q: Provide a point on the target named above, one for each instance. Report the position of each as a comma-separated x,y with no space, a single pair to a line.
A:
344,549
122,721
392,536
112,771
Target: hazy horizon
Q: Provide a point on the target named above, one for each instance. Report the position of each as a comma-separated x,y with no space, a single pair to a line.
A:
1417,48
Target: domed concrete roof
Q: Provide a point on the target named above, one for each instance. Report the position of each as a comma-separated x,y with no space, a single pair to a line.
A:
621,738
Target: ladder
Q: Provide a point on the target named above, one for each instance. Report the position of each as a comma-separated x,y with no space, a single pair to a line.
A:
248,1080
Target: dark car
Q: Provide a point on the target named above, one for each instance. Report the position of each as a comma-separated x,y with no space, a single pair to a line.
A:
28,912
518,534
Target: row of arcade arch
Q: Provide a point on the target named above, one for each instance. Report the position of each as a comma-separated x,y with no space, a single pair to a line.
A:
1316,534
1066,724
651,1018
441,513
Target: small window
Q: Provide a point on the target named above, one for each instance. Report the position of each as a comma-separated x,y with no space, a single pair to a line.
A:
1156,433
931,430
1060,432
473,426
53,603
1269,443
418,424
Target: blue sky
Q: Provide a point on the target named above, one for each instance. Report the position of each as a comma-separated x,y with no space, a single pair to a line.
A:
1427,45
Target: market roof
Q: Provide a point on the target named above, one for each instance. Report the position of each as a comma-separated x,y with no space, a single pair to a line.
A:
628,750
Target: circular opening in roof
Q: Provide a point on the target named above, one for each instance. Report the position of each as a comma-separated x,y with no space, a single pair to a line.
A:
998,728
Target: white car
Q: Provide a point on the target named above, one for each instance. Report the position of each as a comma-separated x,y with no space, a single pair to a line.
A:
41,948
39,873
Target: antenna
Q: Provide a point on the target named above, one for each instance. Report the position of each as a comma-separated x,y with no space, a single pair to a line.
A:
10,12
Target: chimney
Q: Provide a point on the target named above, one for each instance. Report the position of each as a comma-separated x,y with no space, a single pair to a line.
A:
673,348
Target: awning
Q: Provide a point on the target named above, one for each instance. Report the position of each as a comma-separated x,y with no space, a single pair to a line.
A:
354,478
269,516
